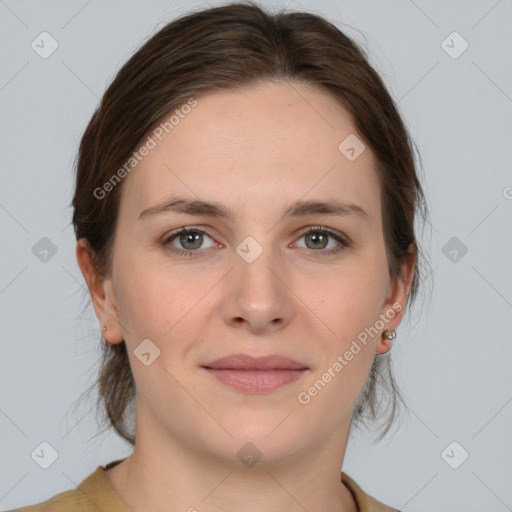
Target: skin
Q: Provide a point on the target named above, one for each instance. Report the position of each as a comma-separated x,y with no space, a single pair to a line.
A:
257,151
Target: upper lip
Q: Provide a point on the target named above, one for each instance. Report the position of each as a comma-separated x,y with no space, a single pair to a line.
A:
247,362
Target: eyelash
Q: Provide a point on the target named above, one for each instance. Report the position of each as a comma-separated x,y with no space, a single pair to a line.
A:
342,240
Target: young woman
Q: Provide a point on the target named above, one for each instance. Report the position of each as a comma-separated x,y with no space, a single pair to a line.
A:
244,209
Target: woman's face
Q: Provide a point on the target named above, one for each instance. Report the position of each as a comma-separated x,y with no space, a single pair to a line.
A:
252,282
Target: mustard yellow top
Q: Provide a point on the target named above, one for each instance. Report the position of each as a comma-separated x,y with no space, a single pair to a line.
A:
95,494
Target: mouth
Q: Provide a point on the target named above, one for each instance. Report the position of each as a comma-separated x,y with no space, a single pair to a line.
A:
256,374
256,381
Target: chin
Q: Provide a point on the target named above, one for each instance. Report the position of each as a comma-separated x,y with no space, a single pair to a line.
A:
267,441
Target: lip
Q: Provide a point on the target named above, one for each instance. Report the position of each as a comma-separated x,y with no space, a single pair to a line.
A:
255,374
247,362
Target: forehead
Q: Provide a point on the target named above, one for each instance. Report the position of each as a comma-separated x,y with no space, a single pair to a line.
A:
269,143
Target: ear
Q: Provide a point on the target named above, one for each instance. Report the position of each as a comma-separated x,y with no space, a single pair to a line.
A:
102,293
393,308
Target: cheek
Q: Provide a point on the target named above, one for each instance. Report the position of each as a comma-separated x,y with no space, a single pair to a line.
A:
352,301
164,307
350,308
157,301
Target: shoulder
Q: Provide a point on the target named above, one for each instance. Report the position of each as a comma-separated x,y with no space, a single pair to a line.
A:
92,494
68,500
365,502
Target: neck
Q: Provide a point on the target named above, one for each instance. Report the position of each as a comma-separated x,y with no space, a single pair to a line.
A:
185,477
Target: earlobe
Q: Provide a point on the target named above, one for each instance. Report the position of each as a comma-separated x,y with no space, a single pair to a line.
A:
386,342
394,306
101,293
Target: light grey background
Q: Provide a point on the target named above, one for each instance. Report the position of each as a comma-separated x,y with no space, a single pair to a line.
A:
452,359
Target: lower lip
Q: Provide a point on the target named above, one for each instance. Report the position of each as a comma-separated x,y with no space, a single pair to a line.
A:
256,381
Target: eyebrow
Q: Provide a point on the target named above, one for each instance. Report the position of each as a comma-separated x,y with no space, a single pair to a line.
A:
299,208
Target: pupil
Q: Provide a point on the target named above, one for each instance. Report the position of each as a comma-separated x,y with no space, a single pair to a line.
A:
318,238
191,238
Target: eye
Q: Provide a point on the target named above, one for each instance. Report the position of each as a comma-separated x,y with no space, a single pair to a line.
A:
187,241
320,241
317,240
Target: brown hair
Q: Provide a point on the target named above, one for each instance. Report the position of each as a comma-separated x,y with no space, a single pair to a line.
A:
226,48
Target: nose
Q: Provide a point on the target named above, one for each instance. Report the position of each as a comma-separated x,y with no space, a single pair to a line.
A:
257,297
